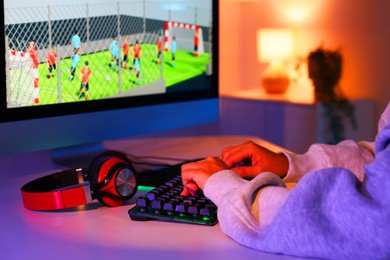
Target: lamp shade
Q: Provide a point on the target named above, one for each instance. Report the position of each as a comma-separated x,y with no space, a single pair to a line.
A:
274,44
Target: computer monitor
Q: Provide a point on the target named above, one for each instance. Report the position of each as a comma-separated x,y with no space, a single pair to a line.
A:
79,72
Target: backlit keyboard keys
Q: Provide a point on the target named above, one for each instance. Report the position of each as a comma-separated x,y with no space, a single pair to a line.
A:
170,184
166,197
165,203
188,201
161,189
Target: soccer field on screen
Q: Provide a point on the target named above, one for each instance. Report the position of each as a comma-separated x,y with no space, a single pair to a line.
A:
105,81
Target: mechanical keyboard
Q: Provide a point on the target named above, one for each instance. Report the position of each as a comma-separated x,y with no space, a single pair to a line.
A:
165,203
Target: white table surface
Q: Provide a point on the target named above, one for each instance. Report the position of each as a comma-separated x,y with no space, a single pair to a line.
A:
98,232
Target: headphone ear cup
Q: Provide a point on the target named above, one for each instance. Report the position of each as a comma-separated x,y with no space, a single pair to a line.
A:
112,178
121,185
96,164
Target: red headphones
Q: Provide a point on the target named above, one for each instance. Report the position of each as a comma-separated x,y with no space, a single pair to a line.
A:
110,178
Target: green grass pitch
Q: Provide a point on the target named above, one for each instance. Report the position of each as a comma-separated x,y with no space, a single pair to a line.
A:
105,81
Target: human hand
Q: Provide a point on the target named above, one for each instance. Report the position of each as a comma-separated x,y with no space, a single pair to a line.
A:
261,159
195,174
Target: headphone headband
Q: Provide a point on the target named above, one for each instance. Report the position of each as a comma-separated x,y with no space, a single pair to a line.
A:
61,190
72,188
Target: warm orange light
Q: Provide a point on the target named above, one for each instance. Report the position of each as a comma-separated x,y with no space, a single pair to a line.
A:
275,46
298,11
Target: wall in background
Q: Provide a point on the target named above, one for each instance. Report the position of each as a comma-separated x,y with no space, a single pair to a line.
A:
358,27
229,46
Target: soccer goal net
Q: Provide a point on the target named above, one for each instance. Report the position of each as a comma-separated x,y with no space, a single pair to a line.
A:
188,37
21,90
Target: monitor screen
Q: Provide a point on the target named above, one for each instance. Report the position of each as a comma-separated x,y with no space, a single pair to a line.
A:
84,71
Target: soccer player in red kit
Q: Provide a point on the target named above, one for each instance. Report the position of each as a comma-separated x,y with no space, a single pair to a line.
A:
32,50
159,49
137,52
51,60
126,50
86,74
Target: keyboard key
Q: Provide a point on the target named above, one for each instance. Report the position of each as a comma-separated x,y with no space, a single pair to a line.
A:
166,197
177,200
170,184
143,202
177,190
162,188
152,195
188,201
181,208
194,209
203,200
169,207
157,205
173,193
207,211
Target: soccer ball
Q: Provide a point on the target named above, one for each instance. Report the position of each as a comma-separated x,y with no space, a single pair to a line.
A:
107,78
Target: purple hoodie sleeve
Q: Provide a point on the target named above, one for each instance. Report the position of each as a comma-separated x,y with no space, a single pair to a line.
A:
329,213
335,212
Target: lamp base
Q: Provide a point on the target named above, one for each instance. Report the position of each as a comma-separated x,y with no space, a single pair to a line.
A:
276,84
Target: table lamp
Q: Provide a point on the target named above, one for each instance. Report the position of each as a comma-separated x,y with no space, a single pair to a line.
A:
275,46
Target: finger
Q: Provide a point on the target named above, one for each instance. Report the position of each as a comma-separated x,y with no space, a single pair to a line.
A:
231,149
187,177
234,156
190,188
185,192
